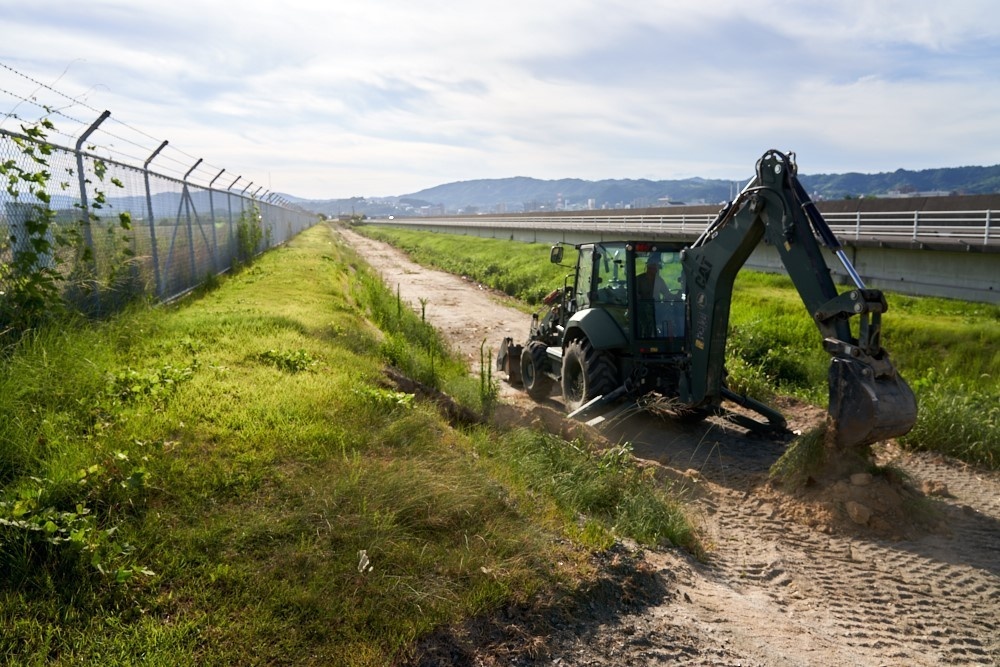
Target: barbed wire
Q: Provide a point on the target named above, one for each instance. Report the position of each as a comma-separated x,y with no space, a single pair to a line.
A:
172,160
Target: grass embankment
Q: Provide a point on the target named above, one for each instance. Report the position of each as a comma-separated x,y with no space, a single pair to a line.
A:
949,351
230,480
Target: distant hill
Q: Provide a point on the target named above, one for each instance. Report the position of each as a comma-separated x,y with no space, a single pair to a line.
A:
521,193
952,180
572,192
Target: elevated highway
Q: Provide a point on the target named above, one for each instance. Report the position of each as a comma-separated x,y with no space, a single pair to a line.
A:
934,246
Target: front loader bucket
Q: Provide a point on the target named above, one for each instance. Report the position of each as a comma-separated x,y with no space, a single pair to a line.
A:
864,408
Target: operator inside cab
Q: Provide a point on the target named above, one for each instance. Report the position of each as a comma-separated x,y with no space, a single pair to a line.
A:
660,310
649,284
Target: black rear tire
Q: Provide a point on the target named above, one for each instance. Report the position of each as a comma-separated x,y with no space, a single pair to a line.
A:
534,362
586,374
512,365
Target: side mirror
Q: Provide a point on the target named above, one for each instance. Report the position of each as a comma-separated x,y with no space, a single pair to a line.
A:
556,254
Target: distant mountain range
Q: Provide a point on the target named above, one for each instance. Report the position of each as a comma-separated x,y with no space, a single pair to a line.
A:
531,194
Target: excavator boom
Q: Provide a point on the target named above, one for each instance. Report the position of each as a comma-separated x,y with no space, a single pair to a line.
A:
869,401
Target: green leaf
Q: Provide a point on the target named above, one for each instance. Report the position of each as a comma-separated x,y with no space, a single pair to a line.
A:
22,507
136,480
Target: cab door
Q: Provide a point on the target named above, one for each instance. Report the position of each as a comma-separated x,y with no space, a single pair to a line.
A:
584,292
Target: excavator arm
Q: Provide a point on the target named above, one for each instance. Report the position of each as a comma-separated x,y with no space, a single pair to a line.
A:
869,400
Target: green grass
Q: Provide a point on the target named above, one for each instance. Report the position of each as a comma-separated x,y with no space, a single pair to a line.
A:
948,350
230,480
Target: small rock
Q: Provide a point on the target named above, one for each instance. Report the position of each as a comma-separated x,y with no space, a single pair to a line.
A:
859,513
861,479
934,488
881,525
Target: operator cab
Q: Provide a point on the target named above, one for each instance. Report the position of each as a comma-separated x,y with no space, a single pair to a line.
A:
640,286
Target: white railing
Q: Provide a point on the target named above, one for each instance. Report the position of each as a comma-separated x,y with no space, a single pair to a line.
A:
959,227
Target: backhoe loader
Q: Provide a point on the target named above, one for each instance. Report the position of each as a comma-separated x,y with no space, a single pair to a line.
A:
645,316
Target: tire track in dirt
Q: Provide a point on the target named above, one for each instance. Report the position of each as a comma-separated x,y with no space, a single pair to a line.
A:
884,602
785,583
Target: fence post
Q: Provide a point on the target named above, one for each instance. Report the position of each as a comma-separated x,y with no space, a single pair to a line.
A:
260,220
243,201
152,221
916,224
84,205
986,232
211,210
187,214
232,233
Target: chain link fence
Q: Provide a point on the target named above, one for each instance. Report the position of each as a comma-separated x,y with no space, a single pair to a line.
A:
104,231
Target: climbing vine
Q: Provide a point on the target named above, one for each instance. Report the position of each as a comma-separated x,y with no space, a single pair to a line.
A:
249,234
45,252
29,280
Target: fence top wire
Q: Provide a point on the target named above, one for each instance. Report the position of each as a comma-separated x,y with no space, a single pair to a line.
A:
30,100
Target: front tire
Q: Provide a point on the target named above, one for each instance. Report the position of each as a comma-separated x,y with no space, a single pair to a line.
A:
586,374
534,362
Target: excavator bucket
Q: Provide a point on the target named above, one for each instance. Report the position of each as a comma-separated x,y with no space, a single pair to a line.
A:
865,408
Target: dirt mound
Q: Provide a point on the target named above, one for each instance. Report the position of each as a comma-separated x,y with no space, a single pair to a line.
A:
844,492
882,506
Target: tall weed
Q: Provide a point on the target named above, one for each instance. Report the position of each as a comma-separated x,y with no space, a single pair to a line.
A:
958,419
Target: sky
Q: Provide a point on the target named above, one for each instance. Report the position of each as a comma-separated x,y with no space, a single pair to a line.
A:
387,97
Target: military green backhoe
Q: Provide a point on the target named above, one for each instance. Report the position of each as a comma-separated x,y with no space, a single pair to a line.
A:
645,316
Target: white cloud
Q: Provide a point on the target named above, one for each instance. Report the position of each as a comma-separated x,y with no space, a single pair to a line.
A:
389,96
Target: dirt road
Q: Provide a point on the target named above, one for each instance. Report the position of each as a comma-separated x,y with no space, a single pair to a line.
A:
910,578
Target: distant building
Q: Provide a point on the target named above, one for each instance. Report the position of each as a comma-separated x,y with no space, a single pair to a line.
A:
432,211
899,194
